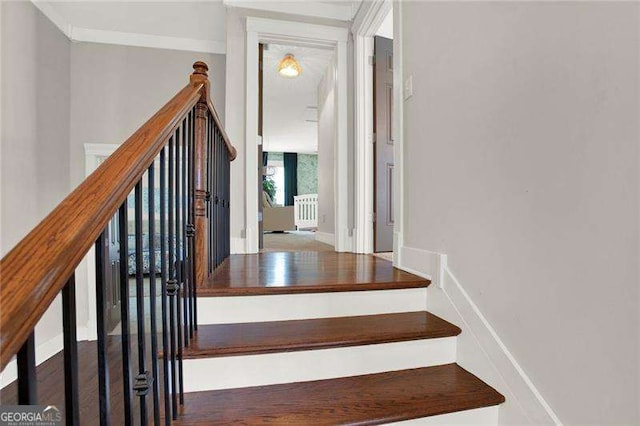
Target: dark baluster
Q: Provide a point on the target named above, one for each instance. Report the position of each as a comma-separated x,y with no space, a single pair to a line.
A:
172,285
142,381
178,217
227,197
72,407
189,221
163,277
192,221
183,234
152,293
209,165
219,234
27,385
101,305
123,236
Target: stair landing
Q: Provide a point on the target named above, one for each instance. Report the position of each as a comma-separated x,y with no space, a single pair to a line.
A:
305,272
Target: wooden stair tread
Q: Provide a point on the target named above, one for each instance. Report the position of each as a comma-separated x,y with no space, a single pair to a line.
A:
280,336
369,399
305,272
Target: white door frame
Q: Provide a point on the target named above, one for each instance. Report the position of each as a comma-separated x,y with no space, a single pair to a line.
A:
260,30
366,23
95,154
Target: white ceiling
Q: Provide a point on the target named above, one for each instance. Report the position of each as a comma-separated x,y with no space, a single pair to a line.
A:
287,116
184,25
185,19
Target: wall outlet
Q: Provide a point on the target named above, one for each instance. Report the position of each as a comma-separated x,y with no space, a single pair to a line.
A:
324,218
408,87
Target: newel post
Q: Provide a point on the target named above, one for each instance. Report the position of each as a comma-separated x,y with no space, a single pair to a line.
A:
200,76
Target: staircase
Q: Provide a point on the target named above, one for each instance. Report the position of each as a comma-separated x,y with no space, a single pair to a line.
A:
301,338
330,338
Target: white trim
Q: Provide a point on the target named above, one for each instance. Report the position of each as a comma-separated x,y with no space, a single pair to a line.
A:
333,10
521,391
325,237
147,40
341,152
237,245
502,346
128,39
485,416
365,25
93,152
52,14
268,30
398,131
288,307
228,372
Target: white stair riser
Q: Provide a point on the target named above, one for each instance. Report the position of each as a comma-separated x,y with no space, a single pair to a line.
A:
267,369
238,309
478,417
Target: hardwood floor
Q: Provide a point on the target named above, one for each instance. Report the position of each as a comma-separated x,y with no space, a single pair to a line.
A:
293,241
305,272
50,376
369,399
286,336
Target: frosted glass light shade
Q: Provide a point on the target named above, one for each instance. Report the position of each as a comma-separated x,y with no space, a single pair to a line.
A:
289,67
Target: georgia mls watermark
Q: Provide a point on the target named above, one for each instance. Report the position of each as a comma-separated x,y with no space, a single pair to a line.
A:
30,415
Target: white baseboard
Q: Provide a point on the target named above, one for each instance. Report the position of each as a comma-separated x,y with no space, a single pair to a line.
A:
480,348
237,245
427,264
325,237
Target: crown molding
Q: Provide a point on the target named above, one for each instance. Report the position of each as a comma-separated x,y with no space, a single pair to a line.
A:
318,9
78,34
53,15
146,40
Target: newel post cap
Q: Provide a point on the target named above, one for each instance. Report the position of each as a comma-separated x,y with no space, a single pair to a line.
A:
200,68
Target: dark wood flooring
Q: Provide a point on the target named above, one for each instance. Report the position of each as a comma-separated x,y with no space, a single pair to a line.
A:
305,272
369,399
50,382
286,336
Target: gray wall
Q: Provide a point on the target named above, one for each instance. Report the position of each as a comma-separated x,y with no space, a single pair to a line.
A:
35,118
35,129
326,144
521,164
116,89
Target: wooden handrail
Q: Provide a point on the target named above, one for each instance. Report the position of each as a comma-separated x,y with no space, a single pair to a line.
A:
34,272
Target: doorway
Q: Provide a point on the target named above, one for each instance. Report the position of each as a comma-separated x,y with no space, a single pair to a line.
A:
303,35
297,131
383,161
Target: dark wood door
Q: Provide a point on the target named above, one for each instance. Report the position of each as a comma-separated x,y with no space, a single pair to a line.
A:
112,270
383,151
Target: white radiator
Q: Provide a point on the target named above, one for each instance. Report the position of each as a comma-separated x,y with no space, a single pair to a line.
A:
306,211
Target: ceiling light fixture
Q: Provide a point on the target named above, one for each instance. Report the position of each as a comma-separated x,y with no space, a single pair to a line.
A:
289,67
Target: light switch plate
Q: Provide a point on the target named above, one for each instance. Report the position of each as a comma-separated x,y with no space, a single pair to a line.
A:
408,87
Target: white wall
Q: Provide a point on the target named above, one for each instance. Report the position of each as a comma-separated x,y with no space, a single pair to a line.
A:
327,136
521,164
35,131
